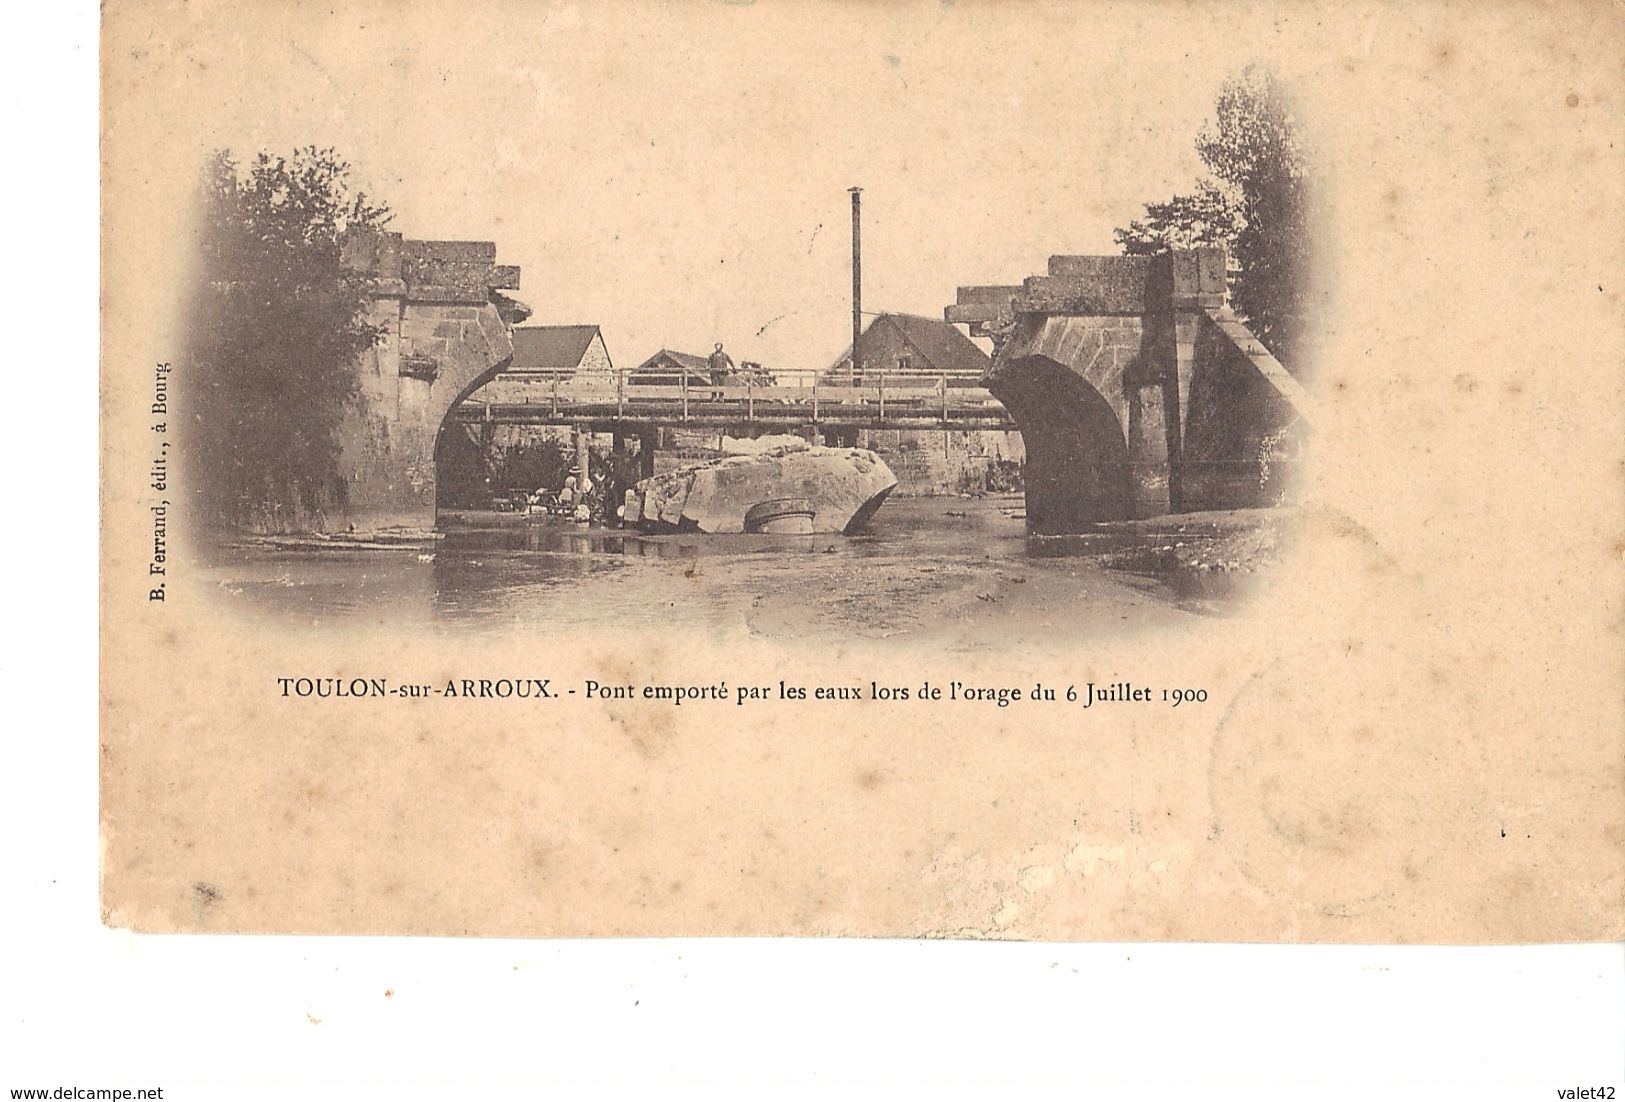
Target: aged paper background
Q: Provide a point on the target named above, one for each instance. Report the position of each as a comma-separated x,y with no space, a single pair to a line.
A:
1415,734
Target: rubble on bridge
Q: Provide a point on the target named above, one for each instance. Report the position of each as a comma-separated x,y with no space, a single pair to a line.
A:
840,487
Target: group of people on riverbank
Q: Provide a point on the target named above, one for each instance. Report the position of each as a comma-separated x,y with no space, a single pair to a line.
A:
595,498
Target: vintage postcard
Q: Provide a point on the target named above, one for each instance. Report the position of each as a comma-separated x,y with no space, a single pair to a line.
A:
1132,471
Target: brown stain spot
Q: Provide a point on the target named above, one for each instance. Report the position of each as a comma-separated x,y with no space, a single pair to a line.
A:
870,779
1517,885
1410,873
1572,100
675,887
1391,197
1444,54
1514,386
650,737
206,893
540,858
389,992
1465,383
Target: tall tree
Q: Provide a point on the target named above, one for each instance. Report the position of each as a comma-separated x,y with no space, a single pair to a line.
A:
1255,145
276,329
1258,204
1207,216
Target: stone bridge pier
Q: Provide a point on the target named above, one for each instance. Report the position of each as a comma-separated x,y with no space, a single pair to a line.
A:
446,332
1137,390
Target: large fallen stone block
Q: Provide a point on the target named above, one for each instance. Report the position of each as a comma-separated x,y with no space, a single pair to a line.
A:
841,486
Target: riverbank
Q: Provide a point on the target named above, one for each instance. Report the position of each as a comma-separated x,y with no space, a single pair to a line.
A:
961,572
1230,540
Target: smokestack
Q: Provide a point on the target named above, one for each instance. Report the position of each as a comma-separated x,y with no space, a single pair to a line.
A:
857,284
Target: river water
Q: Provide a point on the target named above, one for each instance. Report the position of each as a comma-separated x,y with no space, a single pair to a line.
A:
926,567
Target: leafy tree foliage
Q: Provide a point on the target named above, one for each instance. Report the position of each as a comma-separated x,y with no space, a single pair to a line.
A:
1260,204
470,474
1255,145
1207,216
276,328
545,463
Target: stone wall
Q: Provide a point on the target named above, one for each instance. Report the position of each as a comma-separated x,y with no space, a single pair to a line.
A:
1100,432
1236,420
595,366
928,464
1137,391
444,334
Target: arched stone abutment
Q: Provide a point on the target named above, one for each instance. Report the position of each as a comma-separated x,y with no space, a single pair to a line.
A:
432,356
1210,418
1078,470
1246,424
476,438
443,332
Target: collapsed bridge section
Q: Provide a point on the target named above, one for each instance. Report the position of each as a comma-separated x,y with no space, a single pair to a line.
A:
1137,390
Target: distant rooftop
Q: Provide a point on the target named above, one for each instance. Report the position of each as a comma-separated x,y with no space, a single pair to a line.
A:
551,347
936,347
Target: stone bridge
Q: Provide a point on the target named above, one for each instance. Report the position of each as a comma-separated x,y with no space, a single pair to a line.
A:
446,332
1136,389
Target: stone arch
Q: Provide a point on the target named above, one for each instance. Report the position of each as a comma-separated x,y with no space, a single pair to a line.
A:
450,425
432,357
1077,470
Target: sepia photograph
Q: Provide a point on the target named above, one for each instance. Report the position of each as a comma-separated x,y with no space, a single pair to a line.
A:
777,550
660,392
923,470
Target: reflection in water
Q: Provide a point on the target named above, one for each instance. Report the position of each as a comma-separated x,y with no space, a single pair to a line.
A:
924,562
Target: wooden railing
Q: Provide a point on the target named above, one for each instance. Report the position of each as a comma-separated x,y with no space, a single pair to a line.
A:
809,396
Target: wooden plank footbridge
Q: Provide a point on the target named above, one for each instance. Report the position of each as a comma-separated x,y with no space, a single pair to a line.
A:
791,400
